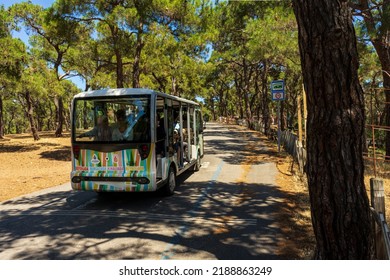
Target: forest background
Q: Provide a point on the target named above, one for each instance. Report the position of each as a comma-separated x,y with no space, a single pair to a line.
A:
224,53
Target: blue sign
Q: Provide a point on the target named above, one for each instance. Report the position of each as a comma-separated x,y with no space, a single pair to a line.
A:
277,90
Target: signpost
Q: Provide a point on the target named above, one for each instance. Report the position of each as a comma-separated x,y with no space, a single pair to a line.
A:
277,90
278,94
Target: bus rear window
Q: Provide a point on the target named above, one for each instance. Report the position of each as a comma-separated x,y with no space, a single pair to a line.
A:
112,119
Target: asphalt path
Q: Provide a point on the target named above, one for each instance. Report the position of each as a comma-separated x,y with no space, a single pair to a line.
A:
226,211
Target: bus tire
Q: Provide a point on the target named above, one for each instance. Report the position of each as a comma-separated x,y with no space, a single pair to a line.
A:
198,163
170,185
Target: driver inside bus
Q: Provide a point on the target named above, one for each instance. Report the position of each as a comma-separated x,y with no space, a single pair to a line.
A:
120,129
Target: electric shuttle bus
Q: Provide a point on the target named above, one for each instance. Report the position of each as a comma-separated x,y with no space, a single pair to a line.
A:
133,140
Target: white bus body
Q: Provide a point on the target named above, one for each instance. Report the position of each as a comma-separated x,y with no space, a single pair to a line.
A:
133,140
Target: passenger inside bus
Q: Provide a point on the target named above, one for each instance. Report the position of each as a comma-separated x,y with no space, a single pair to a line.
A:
101,132
141,129
160,132
120,128
177,141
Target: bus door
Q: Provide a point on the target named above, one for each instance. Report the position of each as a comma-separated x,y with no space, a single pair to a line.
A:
199,131
170,126
186,134
162,136
191,135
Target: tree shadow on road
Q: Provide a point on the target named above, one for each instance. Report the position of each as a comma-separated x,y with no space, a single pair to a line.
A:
205,220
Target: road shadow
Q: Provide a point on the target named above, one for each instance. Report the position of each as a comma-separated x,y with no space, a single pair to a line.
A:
211,219
225,221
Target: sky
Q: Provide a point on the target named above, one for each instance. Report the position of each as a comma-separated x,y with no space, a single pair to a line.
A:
43,3
7,3
80,83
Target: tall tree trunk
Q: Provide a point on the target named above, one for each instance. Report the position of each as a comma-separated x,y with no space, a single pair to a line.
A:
258,95
212,103
1,119
58,102
238,85
49,120
241,109
339,204
118,55
386,86
222,111
245,92
282,116
265,101
119,69
30,116
137,57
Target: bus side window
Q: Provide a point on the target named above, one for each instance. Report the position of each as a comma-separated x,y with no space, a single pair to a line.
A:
160,134
199,123
170,128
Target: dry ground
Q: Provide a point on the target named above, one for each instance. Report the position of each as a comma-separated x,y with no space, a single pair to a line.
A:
27,165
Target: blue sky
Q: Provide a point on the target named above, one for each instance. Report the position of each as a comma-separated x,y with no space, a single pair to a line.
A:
24,37
43,3
7,3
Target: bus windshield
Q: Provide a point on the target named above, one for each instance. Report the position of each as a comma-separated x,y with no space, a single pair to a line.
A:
125,119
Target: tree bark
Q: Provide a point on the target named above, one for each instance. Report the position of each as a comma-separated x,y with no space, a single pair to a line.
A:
60,115
30,116
265,100
1,119
119,69
222,107
137,57
335,127
247,73
118,55
237,83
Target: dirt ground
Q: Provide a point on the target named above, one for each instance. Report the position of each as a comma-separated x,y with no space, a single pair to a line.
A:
27,165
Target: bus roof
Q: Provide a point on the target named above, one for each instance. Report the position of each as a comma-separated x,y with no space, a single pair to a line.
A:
128,92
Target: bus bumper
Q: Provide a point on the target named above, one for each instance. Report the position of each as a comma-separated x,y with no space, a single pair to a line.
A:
112,184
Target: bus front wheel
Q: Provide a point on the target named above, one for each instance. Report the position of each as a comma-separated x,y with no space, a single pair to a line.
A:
198,163
170,186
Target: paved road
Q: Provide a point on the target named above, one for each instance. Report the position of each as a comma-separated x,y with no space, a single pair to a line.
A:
225,211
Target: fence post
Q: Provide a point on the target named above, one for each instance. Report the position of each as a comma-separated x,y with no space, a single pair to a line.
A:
377,194
299,119
301,162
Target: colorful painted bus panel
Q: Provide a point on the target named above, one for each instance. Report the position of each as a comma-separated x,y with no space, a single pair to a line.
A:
133,140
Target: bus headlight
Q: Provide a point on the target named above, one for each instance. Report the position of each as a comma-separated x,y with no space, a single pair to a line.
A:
76,179
142,180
